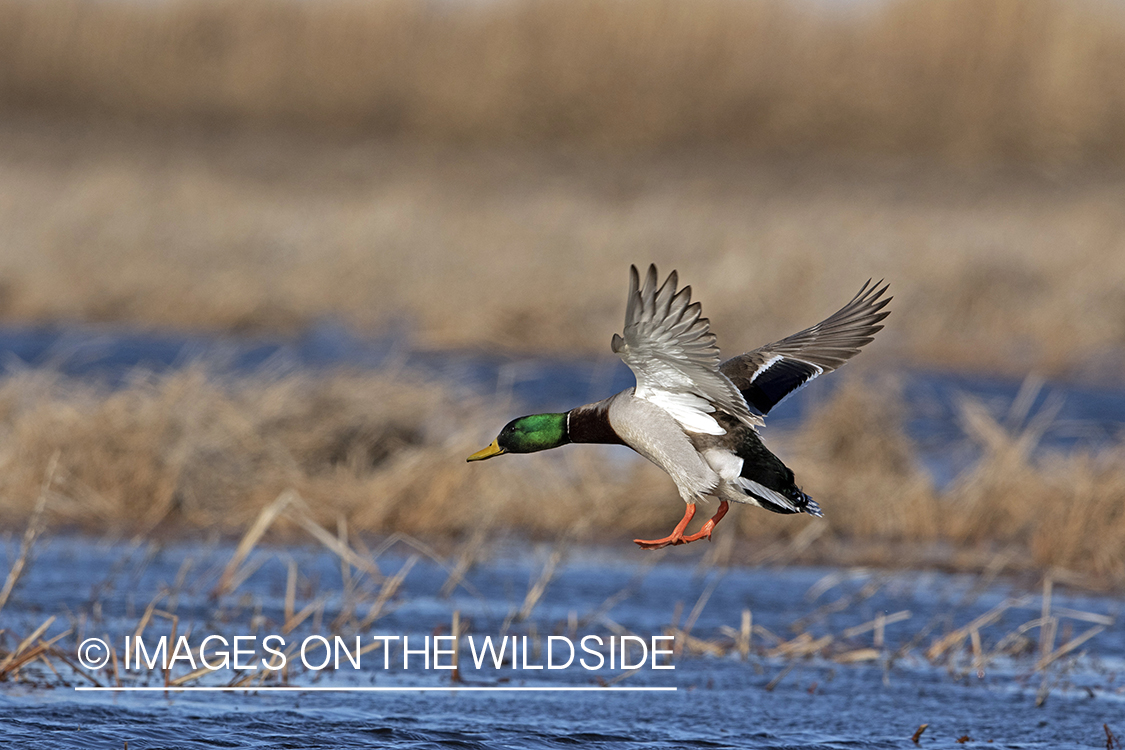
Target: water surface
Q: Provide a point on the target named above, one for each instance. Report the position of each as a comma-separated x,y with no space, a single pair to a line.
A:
720,701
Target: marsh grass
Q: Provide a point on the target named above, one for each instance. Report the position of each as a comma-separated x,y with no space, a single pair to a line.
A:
991,79
386,453
1039,509
530,251
289,456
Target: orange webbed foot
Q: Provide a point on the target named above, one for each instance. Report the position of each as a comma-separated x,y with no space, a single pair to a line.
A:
708,527
677,535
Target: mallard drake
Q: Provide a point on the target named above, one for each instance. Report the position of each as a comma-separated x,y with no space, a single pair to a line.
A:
694,416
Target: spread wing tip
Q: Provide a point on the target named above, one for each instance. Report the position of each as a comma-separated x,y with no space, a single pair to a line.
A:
769,374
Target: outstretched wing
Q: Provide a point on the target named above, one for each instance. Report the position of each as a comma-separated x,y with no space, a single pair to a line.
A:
671,350
768,374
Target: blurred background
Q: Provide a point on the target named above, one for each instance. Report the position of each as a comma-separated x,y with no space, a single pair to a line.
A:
270,270
331,247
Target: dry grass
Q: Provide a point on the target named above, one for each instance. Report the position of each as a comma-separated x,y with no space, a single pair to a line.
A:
993,79
184,450
530,250
1060,510
383,455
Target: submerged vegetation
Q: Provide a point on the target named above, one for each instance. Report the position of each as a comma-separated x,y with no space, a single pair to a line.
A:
1031,642
379,454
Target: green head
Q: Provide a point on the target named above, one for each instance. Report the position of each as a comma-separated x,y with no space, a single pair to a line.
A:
537,432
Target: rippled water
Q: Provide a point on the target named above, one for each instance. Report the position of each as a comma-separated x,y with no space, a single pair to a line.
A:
720,701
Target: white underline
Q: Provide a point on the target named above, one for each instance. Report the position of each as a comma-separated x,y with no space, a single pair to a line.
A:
295,689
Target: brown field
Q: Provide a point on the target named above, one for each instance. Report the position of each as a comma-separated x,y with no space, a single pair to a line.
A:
185,453
529,250
960,79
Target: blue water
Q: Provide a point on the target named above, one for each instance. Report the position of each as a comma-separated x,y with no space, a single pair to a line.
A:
720,701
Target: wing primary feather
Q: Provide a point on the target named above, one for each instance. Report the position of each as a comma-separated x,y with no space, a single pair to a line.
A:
662,303
670,348
634,294
770,373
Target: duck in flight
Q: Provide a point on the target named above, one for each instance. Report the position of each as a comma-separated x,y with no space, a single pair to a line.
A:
694,416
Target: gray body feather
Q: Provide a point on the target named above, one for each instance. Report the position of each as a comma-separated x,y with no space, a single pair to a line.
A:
653,433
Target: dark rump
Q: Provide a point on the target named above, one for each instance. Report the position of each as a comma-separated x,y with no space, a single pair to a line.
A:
762,466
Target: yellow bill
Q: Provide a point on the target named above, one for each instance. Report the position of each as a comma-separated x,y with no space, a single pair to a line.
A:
492,450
